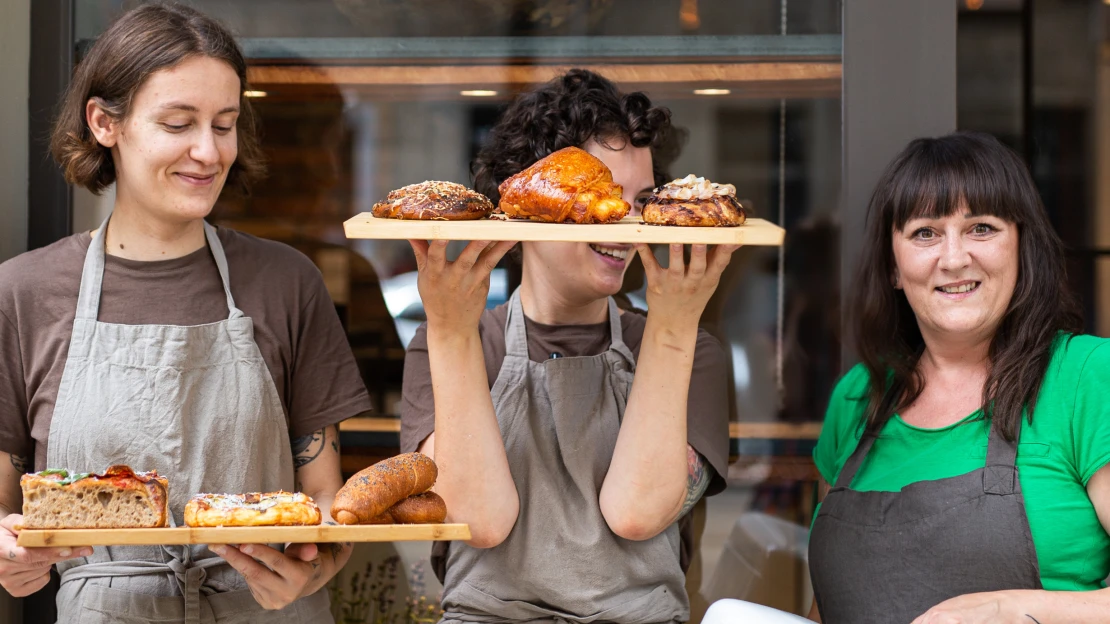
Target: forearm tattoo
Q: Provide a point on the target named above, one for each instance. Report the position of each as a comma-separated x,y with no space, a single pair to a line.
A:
20,463
307,448
1032,618
698,476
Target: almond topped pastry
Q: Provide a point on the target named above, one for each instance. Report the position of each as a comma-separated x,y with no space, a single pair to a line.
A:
694,201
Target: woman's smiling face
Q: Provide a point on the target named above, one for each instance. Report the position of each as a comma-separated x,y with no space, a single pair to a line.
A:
174,149
958,273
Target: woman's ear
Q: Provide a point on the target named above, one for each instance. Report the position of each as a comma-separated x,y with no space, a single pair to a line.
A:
103,126
896,279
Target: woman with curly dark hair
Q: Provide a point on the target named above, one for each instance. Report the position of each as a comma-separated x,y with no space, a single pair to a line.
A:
587,433
969,452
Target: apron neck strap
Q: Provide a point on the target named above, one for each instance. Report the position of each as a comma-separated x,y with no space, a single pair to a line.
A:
616,334
217,249
516,337
851,467
999,474
92,273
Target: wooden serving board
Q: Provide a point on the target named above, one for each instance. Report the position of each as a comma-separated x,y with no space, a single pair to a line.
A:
627,230
244,535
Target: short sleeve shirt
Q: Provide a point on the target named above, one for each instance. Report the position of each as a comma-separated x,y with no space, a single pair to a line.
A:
296,326
1058,453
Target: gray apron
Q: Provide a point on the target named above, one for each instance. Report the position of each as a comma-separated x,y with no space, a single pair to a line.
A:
561,563
888,557
198,405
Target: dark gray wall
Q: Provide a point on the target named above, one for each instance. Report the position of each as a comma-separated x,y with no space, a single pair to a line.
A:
15,50
899,84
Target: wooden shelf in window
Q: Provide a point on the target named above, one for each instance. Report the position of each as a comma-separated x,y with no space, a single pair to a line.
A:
772,431
440,82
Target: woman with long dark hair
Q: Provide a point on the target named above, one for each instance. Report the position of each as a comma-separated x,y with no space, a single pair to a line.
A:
968,452
571,436
164,343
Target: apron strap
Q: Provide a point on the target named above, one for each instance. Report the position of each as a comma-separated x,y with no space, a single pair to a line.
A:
217,249
516,338
191,576
1000,473
851,467
616,335
92,274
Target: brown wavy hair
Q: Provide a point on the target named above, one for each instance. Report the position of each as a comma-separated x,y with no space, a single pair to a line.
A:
933,178
143,41
569,111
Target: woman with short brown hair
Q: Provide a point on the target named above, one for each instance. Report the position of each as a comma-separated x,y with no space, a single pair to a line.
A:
161,342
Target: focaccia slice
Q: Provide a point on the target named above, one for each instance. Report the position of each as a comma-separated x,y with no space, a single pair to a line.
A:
118,499
252,509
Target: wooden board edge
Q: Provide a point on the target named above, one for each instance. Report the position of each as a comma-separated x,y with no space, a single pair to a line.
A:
756,233
31,538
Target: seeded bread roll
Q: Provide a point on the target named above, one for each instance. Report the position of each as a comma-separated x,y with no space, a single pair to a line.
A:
118,499
372,491
434,201
426,508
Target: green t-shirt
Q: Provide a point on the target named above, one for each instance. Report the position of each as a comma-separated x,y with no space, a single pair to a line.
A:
1067,442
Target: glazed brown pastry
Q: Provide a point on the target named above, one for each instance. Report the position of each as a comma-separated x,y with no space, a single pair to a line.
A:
426,508
372,491
568,186
694,201
436,201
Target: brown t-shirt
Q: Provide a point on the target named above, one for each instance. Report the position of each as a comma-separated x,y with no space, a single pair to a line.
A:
295,325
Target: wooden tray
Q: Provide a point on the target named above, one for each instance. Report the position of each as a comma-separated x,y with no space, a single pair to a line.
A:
627,230
244,535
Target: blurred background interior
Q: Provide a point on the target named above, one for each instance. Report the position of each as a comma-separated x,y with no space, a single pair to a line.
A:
797,103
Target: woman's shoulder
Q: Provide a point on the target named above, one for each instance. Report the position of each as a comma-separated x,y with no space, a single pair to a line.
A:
851,390
57,264
264,252
1073,355
1078,349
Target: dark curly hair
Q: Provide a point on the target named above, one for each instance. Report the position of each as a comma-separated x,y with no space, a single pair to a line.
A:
143,41
569,111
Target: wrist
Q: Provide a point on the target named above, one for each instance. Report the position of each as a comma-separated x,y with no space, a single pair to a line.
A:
1023,605
681,335
451,336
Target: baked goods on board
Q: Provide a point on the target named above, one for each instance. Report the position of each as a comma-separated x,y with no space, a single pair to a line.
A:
251,509
119,498
435,201
694,201
373,491
567,186
426,508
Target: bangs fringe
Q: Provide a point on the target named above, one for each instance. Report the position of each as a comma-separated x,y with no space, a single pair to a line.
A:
940,179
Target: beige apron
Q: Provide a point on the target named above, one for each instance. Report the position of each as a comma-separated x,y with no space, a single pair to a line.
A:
561,563
198,405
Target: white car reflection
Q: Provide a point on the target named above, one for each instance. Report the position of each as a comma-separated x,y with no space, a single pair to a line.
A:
403,300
